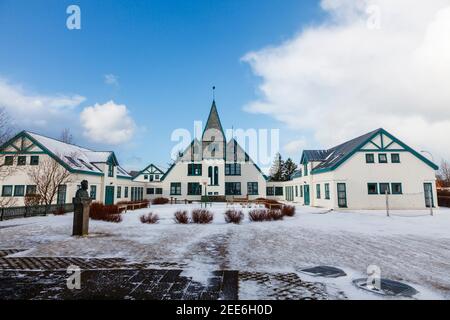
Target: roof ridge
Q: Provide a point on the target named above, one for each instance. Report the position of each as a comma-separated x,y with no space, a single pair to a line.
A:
45,136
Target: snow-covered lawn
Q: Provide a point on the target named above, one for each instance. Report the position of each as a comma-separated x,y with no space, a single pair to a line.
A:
410,245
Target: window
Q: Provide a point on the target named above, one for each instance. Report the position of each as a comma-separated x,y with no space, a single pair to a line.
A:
9,160
150,190
327,191
126,192
86,164
305,169
157,177
278,191
175,188
34,160
270,191
61,195
111,170
395,158
7,191
301,191
372,188
384,187
296,191
151,177
21,160
93,194
19,191
233,169
396,188
119,192
252,188
318,191
232,188
158,190
382,158
31,189
72,161
145,176
194,189
370,158
194,169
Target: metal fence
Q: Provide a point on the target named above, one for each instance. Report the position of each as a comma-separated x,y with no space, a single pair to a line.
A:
33,211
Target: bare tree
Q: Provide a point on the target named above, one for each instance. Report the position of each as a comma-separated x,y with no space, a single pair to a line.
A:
6,128
6,169
66,136
443,174
47,177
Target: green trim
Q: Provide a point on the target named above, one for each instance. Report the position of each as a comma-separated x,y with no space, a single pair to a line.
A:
392,188
380,131
389,144
376,145
379,157
376,188
124,177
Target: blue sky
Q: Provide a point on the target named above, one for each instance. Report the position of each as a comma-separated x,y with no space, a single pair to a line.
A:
166,56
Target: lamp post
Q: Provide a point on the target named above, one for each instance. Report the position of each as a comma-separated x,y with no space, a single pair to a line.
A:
205,184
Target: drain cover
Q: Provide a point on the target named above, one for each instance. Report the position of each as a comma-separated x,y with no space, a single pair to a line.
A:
324,271
387,288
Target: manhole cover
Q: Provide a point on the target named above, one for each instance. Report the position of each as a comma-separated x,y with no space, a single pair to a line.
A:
324,271
387,287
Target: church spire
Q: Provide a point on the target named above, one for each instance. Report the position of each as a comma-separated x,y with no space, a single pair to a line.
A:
213,121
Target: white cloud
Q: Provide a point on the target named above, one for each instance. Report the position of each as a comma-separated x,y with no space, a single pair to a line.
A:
111,79
29,109
293,147
343,78
107,123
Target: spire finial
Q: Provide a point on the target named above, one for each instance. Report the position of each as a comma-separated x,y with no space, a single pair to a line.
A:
214,92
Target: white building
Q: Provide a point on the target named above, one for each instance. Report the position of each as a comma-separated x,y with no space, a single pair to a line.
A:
108,181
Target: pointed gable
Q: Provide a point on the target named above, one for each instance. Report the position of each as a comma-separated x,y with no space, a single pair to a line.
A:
213,124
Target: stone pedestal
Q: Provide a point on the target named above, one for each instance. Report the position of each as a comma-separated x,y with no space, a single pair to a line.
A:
81,216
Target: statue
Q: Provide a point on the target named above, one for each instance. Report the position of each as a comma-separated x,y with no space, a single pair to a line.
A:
81,203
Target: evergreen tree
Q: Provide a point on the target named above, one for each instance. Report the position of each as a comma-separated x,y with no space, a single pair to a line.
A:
276,171
288,169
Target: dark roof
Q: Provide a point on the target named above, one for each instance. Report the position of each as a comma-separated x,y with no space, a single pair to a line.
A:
333,156
134,174
213,121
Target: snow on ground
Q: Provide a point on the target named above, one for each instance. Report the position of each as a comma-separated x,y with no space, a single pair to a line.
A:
410,246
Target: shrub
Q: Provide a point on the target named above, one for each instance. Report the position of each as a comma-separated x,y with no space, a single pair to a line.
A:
110,213
59,211
275,214
150,218
258,215
181,217
160,200
32,200
202,216
234,216
273,205
288,211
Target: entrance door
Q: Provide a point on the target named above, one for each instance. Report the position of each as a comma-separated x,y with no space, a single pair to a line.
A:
428,190
306,194
342,195
109,195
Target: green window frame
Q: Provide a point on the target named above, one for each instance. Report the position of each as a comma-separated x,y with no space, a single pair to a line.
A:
31,189
7,191
370,158
372,188
194,169
252,188
145,176
270,191
383,187
175,189
301,191
150,191
395,157
111,170
119,192
318,191
19,191
9,160
194,189
233,169
396,188
125,192
93,193
232,188
382,158
158,190
279,191
21,160
327,191
305,169
296,191
61,194
156,176
34,160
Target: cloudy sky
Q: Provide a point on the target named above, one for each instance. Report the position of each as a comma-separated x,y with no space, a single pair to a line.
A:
319,71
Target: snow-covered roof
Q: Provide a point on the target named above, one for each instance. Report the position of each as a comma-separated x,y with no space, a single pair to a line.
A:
76,157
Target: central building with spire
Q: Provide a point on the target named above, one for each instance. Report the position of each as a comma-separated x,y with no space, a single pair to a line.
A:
211,166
